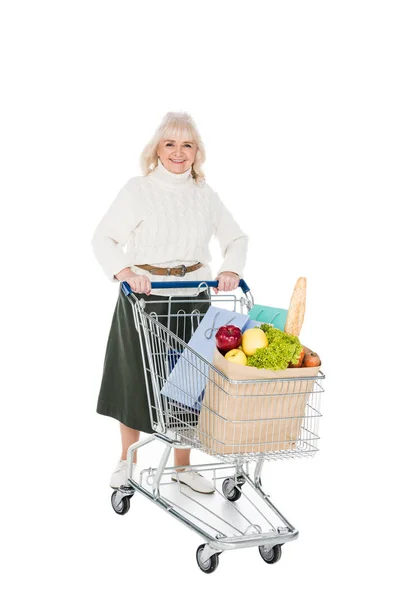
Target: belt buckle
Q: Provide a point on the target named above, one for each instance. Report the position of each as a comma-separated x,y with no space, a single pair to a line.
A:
183,270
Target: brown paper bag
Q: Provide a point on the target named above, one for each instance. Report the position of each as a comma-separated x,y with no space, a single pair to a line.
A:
253,417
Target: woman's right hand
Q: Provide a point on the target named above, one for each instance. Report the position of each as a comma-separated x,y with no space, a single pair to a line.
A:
140,284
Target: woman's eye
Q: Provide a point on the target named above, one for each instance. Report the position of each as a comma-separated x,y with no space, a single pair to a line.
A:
169,144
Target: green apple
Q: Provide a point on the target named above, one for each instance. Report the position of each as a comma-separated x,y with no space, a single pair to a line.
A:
236,356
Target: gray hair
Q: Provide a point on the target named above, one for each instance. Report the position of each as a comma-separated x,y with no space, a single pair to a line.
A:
180,124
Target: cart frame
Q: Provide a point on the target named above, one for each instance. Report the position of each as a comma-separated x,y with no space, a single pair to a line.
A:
233,470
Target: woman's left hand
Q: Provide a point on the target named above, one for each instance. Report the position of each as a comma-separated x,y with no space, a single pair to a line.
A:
227,281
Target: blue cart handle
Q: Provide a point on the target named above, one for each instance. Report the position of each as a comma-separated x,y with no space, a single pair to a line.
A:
126,288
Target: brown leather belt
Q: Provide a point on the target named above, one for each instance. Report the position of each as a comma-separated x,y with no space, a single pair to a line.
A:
179,271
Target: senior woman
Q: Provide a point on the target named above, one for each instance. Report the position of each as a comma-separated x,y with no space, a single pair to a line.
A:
158,221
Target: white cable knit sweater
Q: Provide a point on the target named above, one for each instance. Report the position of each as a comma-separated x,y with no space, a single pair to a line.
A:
167,219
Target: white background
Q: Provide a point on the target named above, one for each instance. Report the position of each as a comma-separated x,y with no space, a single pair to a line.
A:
298,106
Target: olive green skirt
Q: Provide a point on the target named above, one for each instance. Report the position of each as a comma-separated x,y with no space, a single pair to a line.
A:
123,393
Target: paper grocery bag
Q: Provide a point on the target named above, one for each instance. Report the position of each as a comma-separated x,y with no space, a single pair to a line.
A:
242,415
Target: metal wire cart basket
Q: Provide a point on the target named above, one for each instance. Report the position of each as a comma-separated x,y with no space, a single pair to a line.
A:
238,424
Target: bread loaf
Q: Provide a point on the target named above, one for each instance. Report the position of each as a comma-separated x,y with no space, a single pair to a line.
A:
297,308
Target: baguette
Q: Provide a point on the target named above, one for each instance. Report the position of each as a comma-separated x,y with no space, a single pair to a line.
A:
297,308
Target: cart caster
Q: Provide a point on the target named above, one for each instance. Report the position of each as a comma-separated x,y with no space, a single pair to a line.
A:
210,564
231,490
121,506
272,555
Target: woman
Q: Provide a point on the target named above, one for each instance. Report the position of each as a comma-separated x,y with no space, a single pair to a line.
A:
162,219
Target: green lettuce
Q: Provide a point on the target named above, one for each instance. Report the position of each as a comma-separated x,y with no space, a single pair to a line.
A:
282,350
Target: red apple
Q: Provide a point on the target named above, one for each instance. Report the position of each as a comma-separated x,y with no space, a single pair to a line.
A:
228,337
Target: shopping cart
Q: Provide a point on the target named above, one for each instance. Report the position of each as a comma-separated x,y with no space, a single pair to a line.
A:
238,424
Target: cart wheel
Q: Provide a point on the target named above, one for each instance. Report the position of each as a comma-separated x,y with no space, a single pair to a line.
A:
210,564
123,506
271,556
230,494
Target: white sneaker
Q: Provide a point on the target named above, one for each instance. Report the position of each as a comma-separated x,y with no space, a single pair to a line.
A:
119,476
194,480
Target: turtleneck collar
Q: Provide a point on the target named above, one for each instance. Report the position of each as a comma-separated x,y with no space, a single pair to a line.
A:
161,174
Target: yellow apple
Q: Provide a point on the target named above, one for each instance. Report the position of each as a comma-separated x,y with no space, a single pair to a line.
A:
236,356
252,340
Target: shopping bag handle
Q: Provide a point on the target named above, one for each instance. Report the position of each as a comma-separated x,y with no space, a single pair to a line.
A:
126,288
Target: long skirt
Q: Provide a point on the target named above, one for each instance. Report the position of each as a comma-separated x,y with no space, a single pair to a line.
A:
123,393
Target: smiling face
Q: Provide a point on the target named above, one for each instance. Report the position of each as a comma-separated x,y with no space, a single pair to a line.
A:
178,154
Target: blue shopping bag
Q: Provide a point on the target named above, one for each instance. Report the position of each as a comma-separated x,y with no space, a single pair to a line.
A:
188,378
173,357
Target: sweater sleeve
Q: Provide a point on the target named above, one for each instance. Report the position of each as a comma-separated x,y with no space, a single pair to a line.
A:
232,240
115,229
